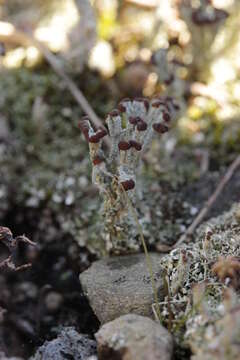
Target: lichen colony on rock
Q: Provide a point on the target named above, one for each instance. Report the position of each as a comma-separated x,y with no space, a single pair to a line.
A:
203,280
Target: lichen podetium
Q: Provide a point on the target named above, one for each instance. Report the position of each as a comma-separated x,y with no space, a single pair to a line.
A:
131,128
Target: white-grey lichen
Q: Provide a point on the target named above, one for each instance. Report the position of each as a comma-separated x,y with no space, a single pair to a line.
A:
83,36
131,129
167,74
204,21
203,289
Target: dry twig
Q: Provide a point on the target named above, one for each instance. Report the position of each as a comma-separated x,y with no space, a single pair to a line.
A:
6,238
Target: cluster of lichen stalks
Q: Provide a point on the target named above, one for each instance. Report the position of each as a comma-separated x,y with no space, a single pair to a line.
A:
131,128
204,22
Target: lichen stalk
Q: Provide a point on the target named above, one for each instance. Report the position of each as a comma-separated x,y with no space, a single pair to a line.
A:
131,128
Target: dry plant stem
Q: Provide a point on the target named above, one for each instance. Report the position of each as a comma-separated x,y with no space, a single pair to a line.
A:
28,39
225,179
148,260
168,302
75,91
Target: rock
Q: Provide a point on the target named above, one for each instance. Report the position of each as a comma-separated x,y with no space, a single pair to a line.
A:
121,285
53,301
4,357
68,345
132,337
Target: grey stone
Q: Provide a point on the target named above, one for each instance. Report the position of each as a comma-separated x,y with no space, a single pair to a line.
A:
121,285
53,301
132,337
68,345
5,357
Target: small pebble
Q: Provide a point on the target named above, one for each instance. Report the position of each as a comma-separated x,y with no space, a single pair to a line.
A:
53,301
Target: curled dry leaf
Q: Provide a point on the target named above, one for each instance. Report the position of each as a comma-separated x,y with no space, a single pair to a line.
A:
6,238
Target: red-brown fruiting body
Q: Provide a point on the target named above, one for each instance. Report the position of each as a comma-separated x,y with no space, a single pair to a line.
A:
163,102
128,184
114,113
202,18
166,116
121,108
124,145
101,133
136,145
97,160
94,139
160,128
134,120
158,103
121,105
141,125
176,106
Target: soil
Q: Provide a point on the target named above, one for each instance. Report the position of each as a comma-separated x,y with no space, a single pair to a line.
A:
32,316
198,192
